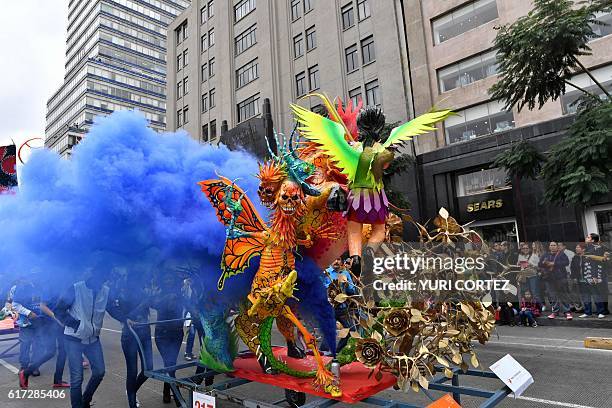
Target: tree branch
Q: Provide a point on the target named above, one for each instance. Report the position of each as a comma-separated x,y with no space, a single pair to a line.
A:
605,91
580,89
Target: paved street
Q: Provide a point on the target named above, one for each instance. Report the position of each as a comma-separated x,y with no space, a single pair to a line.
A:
566,374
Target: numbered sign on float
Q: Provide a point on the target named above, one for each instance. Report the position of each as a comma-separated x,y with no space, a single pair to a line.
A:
203,400
514,375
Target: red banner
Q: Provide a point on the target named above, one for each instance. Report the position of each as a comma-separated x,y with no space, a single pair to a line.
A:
8,171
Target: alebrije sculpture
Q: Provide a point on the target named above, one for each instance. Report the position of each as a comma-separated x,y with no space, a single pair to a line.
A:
363,163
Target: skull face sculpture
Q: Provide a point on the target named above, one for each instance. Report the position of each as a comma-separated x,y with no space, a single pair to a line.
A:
290,199
271,176
267,192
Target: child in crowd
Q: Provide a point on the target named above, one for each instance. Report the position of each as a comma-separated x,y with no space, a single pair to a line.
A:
530,309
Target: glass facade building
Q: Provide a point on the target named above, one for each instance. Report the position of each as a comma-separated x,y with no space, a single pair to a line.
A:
115,59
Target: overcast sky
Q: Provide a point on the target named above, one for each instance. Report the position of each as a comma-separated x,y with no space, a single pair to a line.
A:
32,47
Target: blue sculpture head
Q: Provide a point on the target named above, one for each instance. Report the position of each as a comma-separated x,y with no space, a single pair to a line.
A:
297,169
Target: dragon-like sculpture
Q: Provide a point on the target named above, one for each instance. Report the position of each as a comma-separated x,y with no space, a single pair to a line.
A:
274,283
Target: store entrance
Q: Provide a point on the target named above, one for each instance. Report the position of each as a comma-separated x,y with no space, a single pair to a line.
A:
496,230
599,219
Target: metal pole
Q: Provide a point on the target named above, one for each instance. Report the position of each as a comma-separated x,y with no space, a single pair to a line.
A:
455,382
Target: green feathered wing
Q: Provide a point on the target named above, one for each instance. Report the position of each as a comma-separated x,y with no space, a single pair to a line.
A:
417,126
330,135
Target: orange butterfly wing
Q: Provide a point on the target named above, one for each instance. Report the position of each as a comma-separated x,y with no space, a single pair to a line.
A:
248,220
238,251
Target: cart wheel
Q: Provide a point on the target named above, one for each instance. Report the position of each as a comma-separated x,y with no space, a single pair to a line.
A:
295,398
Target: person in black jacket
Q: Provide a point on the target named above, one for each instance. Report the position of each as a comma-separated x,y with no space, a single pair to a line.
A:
169,335
552,266
129,304
589,276
601,259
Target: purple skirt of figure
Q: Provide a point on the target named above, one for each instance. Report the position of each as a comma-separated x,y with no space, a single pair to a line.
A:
367,206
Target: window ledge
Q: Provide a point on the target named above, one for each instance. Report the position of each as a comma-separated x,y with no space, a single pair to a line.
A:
353,71
368,63
250,117
298,57
312,49
240,87
348,28
246,15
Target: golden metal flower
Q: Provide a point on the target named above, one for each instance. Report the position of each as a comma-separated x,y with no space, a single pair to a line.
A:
369,352
397,322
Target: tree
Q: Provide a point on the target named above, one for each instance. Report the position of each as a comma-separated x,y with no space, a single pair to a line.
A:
400,164
521,161
537,56
579,168
540,51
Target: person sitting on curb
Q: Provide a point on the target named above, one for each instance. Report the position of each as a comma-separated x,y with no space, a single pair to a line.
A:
530,309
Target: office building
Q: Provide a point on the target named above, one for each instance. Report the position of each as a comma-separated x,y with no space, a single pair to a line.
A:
452,59
115,59
225,57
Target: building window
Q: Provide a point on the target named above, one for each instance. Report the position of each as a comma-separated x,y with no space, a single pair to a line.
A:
204,72
298,46
300,84
313,77
363,9
185,57
467,71
179,89
211,98
211,9
605,28
352,61
463,19
185,86
211,37
211,68
248,108
213,129
243,8
181,32
368,53
603,75
308,5
245,40
311,38
348,16
205,102
186,115
372,93
205,133
204,42
483,181
179,62
478,121
355,96
179,118
203,15
247,74
296,11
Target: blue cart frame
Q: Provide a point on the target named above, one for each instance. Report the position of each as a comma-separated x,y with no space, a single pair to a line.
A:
297,399
8,352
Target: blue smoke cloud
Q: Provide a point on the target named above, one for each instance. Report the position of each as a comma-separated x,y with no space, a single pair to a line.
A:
127,198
